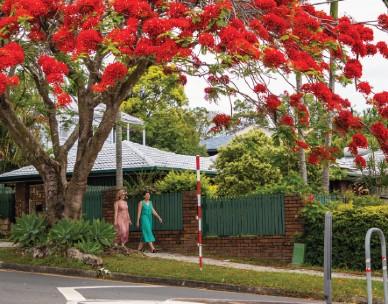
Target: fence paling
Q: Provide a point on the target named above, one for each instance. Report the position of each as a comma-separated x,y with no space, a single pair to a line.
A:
252,215
7,203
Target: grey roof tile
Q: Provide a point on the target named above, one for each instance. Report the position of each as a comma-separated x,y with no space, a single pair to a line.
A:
135,156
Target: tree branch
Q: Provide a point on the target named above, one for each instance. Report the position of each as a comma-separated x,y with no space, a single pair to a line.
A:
43,89
71,140
22,136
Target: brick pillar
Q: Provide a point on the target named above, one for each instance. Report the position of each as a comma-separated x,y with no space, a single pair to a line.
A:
293,222
190,223
21,199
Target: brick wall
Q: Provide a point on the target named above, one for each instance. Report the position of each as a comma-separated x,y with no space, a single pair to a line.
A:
185,241
21,199
5,226
264,247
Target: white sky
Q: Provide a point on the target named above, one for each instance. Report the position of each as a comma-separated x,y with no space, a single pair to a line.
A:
375,69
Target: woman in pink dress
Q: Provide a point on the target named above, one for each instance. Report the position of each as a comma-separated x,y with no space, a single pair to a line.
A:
122,220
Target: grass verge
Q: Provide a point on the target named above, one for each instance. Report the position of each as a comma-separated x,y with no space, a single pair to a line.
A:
298,285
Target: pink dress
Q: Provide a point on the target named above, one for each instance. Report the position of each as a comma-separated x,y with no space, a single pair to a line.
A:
122,226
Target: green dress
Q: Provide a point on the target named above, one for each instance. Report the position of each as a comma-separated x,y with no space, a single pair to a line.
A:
146,222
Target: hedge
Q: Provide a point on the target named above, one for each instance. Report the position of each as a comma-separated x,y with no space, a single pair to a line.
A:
350,225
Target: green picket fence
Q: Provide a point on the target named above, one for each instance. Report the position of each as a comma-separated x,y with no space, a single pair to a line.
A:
168,205
7,202
325,198
92,203
251,215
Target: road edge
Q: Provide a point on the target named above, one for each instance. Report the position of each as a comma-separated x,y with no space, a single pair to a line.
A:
115,276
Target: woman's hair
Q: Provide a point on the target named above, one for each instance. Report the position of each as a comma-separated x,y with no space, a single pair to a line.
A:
120,194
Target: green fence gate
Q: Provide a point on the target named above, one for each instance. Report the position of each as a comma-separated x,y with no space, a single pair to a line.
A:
92,203
250,215
7,203
168,205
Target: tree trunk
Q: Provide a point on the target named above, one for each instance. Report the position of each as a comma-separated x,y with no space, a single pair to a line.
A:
54,190
301,153
119,151
73,200
328,135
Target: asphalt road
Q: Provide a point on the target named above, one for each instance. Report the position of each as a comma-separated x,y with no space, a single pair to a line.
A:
29,288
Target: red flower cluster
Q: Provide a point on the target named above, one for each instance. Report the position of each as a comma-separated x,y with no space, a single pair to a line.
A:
29,8
380,131
319,154
88,41
206,39
383,21
260,88
265,4
358,141
273,58
360,161
273,102
345,120
10,55
364,87
381,103
112,73
64,39
6,81
221,121
55,70
383,48
287,120
301,145
353,69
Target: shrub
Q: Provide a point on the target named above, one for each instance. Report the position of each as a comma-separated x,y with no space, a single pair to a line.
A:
66,233
350,224
101,233
89,247
90,235
30,231
183,181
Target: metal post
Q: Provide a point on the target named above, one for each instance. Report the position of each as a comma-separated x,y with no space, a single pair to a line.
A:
144,137
128,131
327,257
199,211
368,262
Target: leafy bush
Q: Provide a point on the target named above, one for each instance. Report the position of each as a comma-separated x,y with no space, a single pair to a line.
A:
90,235
66,233
89,247
29,231
350,224
184,181
101,233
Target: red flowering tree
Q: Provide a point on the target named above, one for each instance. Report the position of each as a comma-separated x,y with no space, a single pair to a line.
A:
87,52
275,39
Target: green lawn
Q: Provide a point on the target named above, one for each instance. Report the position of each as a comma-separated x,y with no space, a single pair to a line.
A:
291,284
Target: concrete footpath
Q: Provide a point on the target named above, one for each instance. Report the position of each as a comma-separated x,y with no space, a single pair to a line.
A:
228,264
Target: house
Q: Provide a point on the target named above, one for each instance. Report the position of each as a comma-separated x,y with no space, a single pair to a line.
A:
136,159
356,175
213,144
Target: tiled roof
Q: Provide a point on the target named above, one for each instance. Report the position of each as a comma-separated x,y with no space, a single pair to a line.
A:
216,142
135,157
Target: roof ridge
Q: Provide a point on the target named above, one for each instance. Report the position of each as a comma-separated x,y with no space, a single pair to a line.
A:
139,153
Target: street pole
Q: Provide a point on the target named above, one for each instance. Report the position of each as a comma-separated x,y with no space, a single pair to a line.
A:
327,257
199,209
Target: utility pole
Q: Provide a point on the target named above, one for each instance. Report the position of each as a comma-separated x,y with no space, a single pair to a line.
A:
328,135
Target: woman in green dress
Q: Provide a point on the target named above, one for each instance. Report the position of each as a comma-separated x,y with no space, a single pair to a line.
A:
145,210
